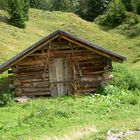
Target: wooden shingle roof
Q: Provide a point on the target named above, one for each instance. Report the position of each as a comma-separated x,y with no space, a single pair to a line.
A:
99,50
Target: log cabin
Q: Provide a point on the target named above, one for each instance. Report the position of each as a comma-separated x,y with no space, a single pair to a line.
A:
60,64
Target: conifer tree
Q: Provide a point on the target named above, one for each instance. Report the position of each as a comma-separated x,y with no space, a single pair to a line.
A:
18,11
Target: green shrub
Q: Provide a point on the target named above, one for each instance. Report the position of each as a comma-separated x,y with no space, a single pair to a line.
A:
108,90
128,5
126,79
18,11
115,15
5,98
130,27
3,4
129,98
136,6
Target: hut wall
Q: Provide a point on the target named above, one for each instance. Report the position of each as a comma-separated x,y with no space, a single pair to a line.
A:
86,70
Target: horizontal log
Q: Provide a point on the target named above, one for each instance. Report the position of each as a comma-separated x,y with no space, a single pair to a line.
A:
35,85
36,93
28,80
30,68
87,90
35,89
94,68
96,72
89,83
22,78
26,74
92,79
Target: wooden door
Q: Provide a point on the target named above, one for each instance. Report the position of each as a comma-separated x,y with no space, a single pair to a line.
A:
59,76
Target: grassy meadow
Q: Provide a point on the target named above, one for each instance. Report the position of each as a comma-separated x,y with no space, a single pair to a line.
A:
58,117
115,107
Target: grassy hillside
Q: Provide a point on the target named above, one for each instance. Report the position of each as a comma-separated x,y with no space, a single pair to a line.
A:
41,23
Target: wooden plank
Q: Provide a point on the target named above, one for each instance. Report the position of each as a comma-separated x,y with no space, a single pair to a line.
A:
36,93
28,80
52,78
59,76
26,74
88,90
41,84
29,68
44,89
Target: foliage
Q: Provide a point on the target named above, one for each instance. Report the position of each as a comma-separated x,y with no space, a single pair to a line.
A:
5,98
128,5
126,79
131,27
65,5
59,5
3,4
136,6
18,11
90,9
115,15
35,3
41,4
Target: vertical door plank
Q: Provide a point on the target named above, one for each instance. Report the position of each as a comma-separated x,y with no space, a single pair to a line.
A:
52,76
59,75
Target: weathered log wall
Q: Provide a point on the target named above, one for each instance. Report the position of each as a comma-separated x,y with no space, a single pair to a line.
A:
87,70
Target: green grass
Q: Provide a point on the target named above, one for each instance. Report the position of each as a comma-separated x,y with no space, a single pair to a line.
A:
57,117
41,23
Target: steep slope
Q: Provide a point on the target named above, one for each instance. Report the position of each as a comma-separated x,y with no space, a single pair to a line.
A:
41,23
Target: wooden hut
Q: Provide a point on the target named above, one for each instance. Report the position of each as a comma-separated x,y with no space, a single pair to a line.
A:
60,64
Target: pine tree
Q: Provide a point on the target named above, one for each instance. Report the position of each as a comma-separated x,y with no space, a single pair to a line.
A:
18,11
60,5
90,9
35,3
136,6
128,5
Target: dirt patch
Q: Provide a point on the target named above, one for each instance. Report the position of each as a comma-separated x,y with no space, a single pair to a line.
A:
119,136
